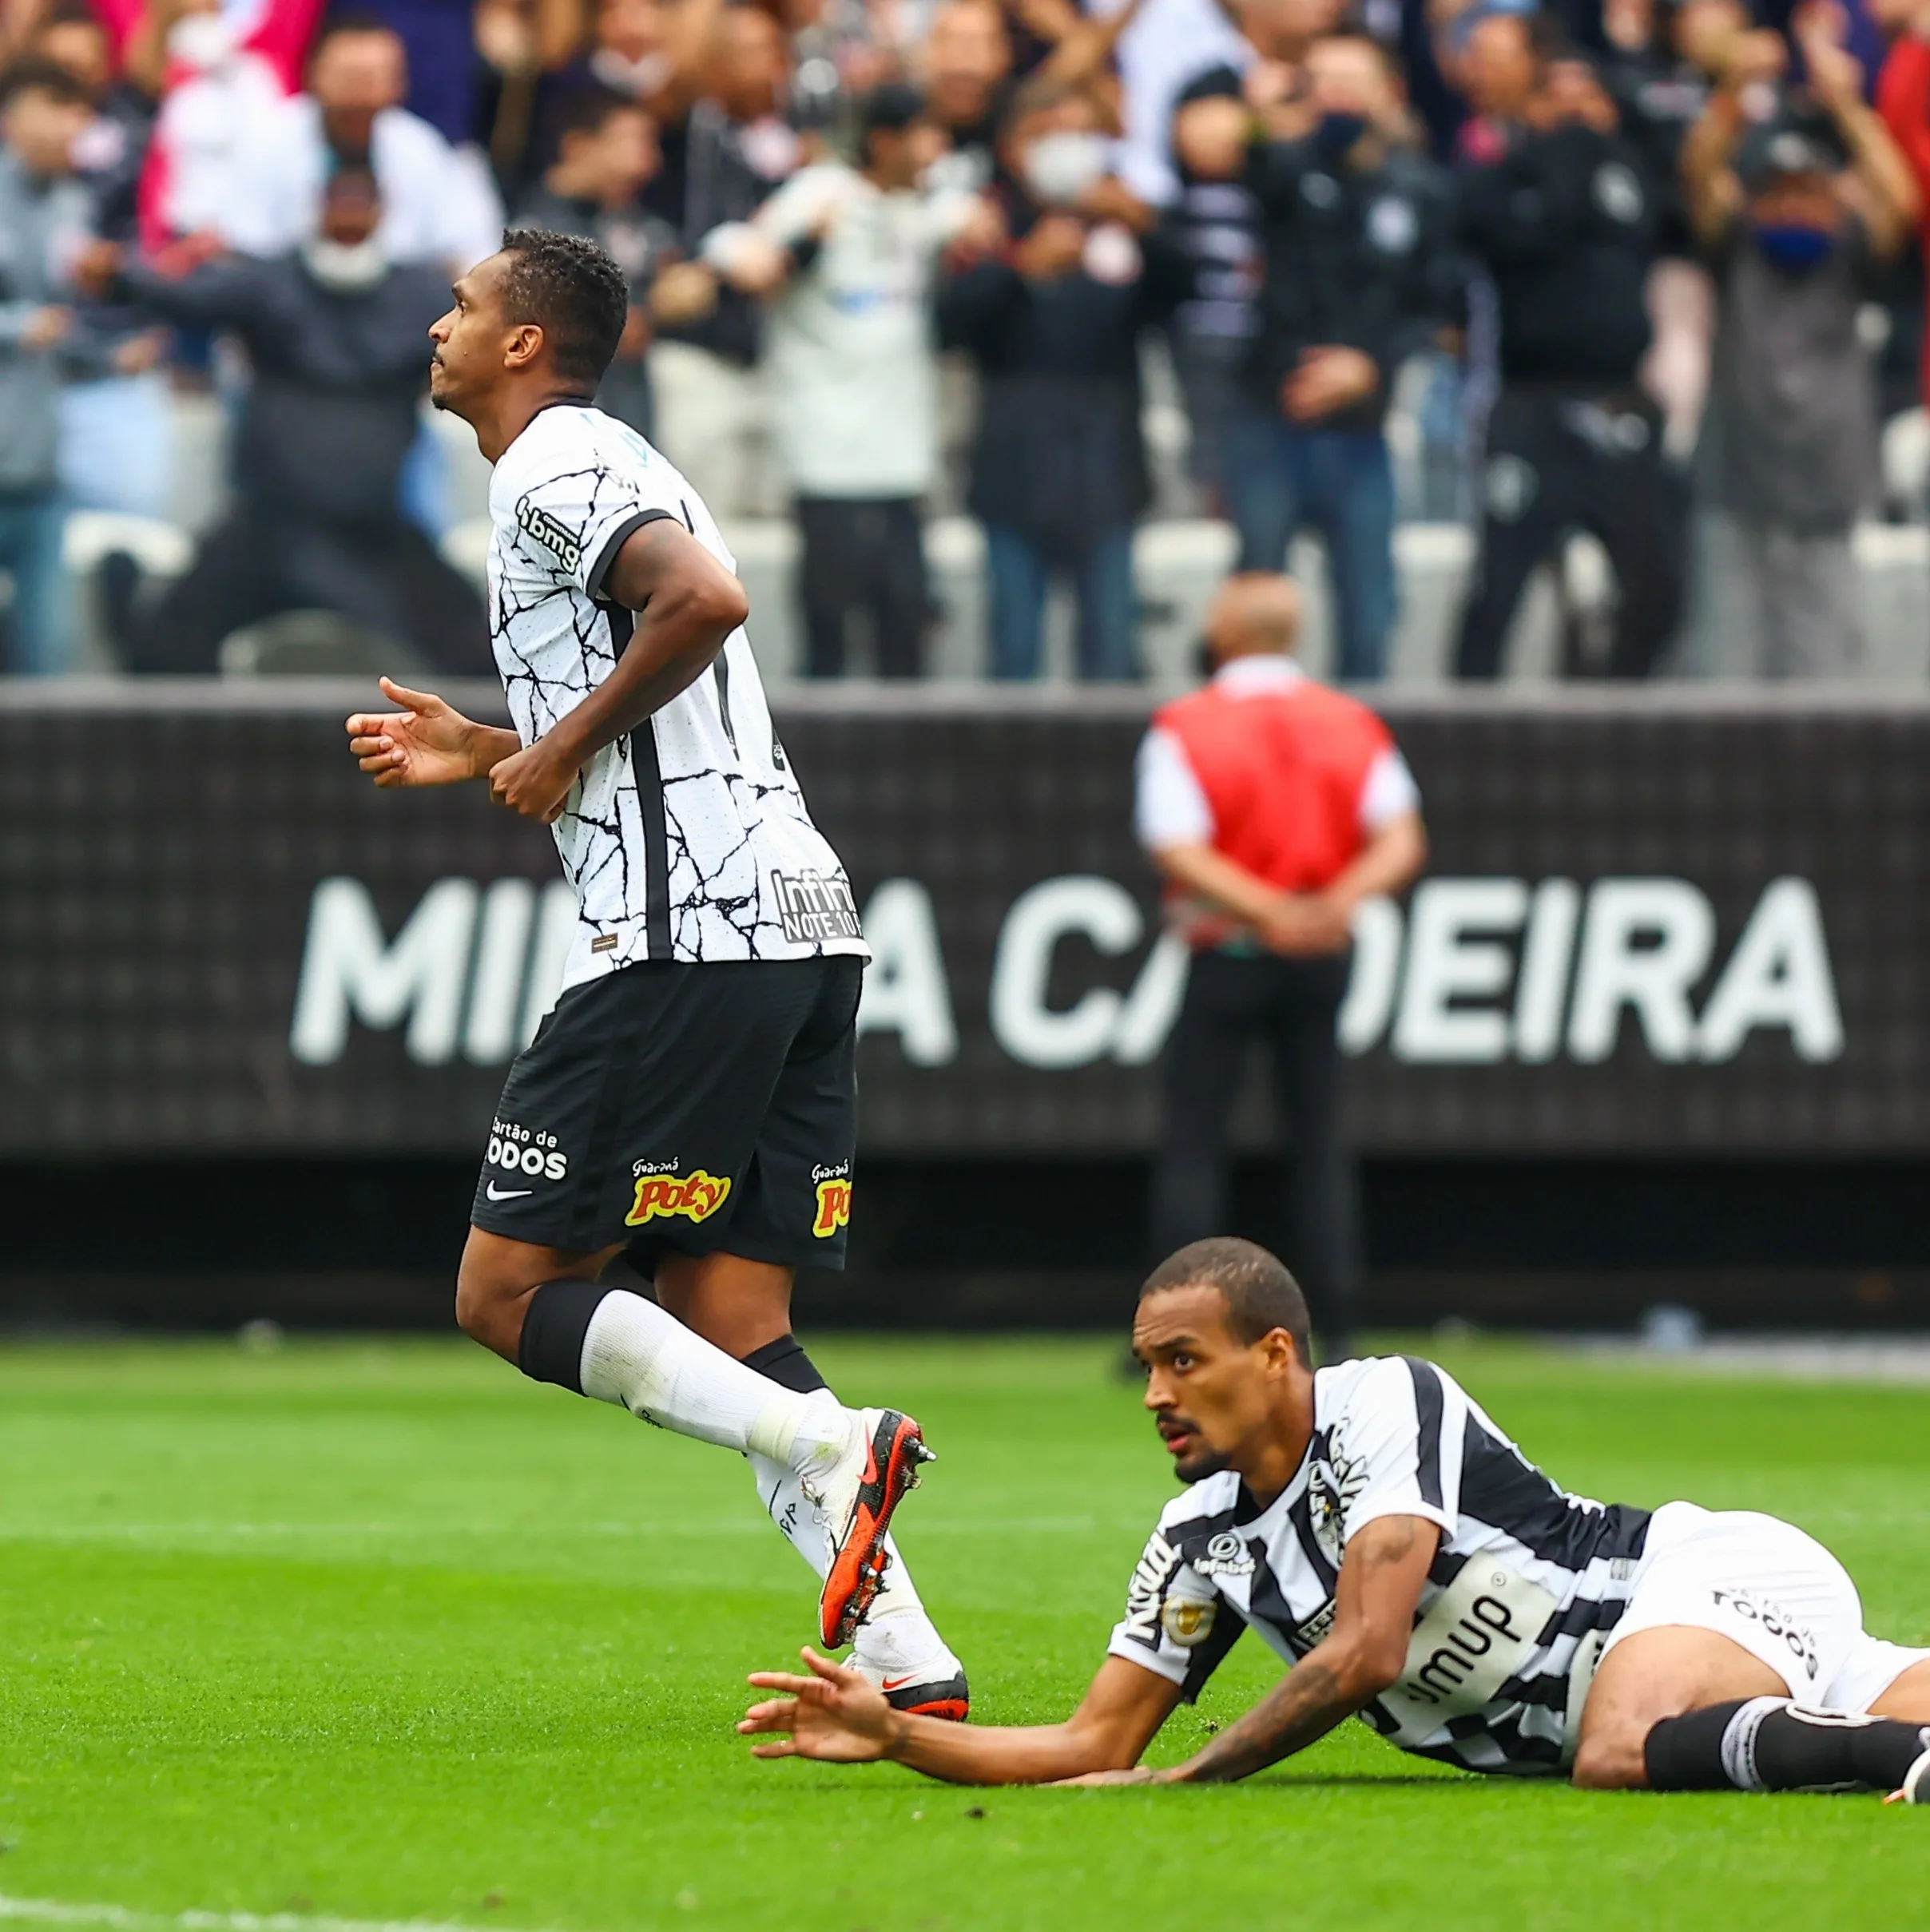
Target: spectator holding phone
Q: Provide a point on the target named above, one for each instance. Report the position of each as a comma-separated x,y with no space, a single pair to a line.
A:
1053,322
852,254
1796,211
1361,271
1565,222
608,155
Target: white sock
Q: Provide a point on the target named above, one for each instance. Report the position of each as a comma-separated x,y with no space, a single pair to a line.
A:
646,1361
781,1492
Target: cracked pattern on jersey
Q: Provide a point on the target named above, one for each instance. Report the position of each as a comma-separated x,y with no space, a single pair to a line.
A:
743,874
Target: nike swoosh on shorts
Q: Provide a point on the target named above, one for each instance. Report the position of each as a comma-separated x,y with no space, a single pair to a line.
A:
495,1193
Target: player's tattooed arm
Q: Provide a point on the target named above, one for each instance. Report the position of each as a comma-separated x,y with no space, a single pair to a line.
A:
686,605
1379,1590
427,743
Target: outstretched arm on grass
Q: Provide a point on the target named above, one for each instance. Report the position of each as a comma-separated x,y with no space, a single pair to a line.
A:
839,1717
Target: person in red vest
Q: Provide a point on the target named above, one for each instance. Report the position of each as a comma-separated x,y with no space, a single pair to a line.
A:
1272,807
1903,99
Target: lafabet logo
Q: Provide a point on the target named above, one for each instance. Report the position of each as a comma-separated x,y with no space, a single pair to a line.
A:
698,1196
833,1208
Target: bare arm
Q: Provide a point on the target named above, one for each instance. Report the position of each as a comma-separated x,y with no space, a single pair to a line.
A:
1881,183
1388,863
145,59
1379,1590
1223,882
690,26
559,32
1088,46
1299,923
837,1716
1708,182
687,604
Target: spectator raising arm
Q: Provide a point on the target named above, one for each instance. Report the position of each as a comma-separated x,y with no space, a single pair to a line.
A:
1880,185
1903,95
1709,182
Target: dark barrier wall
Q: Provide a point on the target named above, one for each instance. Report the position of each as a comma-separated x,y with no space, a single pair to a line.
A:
1652,922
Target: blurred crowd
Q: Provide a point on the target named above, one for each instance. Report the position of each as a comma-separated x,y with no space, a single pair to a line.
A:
1645,270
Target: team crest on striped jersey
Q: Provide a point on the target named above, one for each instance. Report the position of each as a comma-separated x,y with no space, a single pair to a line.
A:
1332,1486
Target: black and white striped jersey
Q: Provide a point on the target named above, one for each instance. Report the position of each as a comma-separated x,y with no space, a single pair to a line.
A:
1526,1583
688,838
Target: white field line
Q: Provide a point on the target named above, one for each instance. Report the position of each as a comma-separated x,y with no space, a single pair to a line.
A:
52,1912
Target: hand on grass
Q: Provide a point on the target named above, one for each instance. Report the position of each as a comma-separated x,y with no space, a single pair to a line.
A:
834,1714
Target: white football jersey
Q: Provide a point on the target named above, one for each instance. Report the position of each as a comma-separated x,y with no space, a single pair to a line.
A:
1527,1583
688,838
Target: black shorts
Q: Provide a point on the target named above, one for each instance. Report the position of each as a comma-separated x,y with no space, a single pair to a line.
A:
684,1109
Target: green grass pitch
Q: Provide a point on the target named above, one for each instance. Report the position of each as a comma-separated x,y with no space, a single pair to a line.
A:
380,1632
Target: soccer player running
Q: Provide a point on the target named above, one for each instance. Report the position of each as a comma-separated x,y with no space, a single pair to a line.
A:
1386,1540
691,1100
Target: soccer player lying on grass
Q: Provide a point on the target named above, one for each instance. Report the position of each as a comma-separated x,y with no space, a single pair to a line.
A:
1389,1542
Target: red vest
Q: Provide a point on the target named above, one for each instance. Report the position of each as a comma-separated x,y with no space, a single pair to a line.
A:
1284,770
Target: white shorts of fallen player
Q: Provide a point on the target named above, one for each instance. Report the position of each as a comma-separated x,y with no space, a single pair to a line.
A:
1764,1584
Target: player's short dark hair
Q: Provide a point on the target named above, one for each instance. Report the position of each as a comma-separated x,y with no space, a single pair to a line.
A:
572,291
348,20
68,14
887,109
1260,1293
1550,42
590,110
1352,30
35,76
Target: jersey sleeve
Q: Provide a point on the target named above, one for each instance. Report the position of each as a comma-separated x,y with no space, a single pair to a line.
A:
1177,1623
1389,792
1401,1445
579,513
1169,806
794,212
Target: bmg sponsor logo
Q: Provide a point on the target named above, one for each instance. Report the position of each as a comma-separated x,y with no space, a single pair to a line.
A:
833,1200
555,537
696,1196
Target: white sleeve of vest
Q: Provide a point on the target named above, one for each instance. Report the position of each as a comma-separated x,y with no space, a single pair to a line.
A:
1170,808
1390,792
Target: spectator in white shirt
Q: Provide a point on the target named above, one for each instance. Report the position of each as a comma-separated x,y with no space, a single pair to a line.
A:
848,255
439,204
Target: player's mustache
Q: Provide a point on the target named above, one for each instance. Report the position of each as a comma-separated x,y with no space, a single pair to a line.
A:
1172,1426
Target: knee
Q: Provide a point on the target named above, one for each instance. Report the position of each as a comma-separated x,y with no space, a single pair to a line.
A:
1611,1761
487,1311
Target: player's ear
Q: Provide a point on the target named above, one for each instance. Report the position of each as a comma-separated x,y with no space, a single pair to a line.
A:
522,346
1280,1351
